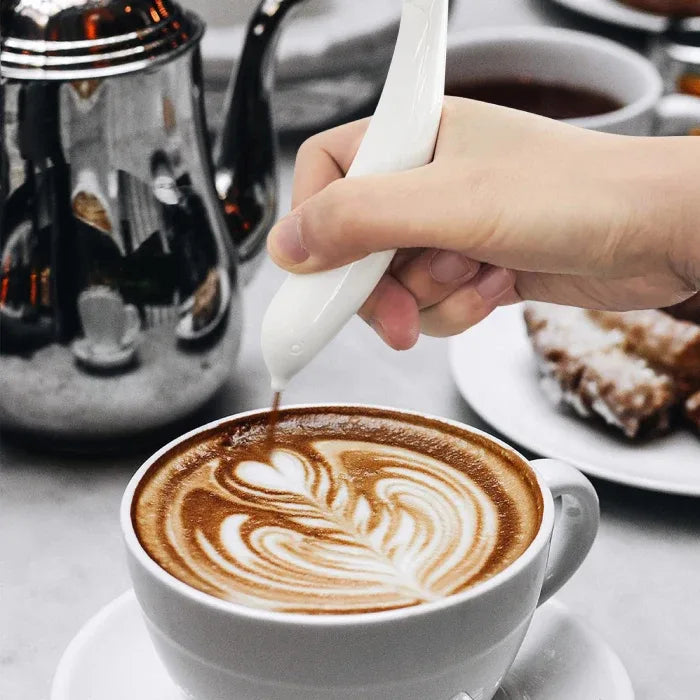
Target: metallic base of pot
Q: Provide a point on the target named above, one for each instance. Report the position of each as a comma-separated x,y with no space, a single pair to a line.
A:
53,395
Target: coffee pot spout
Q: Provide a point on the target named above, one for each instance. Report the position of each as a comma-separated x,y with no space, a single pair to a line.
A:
245,153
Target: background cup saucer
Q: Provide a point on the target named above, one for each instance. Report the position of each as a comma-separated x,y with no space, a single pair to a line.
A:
615,12
111,359
112,658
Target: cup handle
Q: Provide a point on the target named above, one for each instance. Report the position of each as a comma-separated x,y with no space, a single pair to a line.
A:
133,325
576,523
677,115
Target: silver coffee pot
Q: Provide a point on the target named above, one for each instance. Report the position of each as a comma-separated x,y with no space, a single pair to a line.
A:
123,240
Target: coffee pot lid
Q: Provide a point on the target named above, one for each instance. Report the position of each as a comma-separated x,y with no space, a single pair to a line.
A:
82,39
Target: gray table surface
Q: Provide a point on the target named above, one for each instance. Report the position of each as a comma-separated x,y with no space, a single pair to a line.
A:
61,555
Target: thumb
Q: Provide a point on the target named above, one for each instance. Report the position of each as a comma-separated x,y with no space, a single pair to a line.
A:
353,217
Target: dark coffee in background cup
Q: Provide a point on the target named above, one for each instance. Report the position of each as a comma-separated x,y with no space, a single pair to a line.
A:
586,80
556,101
353,510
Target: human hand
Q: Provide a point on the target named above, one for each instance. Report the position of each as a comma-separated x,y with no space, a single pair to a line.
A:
513,206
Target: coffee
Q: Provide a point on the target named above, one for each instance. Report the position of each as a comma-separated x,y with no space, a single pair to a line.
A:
546,99
677,8
353,510
272,418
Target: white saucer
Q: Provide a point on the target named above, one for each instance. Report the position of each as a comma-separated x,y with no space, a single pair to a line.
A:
113,359
616,12
112,658
494,367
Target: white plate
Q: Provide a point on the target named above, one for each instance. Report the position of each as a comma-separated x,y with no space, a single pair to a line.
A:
494,367
112,658
617,13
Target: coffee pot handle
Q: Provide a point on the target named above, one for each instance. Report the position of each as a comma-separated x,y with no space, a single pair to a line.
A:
678,115
245,176
576,522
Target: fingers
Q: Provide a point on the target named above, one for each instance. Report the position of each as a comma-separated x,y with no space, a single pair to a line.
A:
462,310
433,275
412,301
418,279
470,304
324,158
402,257
350,218
445,309
392,312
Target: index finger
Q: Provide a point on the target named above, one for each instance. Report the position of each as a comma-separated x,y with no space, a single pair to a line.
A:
324,158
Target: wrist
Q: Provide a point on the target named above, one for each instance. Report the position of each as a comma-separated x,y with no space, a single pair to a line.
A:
666,174
684,180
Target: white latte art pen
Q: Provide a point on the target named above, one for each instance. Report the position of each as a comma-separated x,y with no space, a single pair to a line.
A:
309,310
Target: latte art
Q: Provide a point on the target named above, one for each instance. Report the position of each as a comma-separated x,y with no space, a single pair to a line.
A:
328,524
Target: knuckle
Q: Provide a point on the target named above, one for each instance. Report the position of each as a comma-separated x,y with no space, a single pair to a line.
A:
457,323
310,146
450,108
456,314
323,219
336,225
338,207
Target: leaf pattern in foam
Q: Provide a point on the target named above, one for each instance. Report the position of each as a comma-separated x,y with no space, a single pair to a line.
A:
359,526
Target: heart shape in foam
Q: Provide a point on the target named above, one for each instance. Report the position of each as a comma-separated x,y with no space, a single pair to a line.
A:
286,473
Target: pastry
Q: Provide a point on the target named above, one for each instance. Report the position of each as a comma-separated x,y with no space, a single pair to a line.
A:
588,368
659,338
207,300
90,208
634,370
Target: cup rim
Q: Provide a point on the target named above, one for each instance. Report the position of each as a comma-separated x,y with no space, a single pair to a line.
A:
560,35
208,600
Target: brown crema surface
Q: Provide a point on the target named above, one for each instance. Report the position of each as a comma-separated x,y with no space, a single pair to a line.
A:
350,511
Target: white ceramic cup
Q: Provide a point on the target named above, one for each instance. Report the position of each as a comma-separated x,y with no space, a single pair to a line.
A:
574,59
218,650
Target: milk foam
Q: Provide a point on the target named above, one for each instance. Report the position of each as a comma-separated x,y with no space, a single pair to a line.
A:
342,526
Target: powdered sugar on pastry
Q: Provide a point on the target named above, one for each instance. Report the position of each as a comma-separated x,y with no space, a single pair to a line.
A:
596,373
666,342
